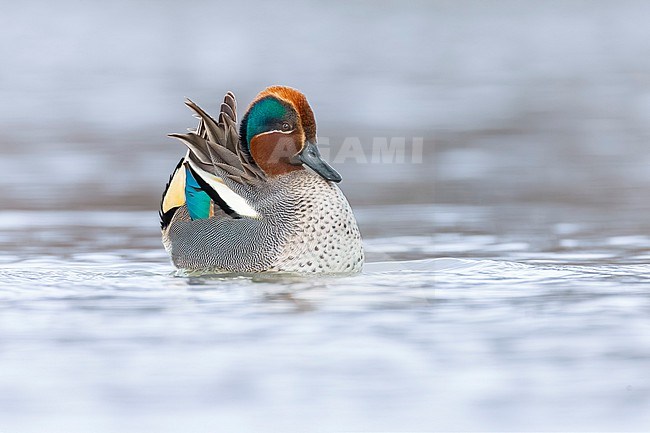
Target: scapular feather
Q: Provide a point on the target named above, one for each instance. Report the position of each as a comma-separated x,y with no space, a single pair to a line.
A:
215,146
210,193
196,146
208,122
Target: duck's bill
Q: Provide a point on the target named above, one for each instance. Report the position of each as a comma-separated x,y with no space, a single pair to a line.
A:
310,156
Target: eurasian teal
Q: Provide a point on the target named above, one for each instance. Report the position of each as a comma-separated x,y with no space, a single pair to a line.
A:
245,202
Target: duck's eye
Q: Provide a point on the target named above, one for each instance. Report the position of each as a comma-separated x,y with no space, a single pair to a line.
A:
286,126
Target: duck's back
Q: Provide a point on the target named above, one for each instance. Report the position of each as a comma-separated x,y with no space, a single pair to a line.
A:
305,224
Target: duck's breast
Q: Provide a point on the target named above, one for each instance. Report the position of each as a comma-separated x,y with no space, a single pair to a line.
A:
323,234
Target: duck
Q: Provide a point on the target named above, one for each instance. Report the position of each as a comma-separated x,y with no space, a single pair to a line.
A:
258,197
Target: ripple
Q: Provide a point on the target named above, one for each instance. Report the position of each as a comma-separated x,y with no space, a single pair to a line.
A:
112,324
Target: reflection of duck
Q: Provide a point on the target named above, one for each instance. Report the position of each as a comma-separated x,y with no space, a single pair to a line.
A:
249,204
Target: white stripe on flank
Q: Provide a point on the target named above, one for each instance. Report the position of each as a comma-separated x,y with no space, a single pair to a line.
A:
232,199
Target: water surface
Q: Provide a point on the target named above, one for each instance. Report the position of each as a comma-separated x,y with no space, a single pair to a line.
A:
98,334
507,285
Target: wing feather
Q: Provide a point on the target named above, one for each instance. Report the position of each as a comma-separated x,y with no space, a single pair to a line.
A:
215,154
215,146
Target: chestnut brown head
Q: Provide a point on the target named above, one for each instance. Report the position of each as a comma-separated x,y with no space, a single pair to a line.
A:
279,132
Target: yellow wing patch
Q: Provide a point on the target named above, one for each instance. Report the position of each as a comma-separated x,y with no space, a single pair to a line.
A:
175,196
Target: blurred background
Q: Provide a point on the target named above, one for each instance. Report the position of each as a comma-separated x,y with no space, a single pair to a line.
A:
534,119
540,101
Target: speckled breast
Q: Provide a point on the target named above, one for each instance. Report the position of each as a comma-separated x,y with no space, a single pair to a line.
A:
323,235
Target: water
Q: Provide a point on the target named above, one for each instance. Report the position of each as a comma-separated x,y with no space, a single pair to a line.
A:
98,334
507,285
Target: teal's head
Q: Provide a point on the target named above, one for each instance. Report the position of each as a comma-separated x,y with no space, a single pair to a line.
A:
279,132
268,113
